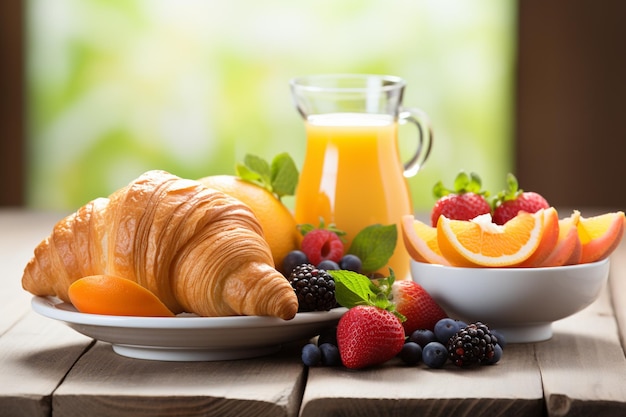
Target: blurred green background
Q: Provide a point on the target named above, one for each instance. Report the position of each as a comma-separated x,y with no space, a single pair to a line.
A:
119,87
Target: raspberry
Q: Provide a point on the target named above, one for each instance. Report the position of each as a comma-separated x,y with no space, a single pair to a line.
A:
320,245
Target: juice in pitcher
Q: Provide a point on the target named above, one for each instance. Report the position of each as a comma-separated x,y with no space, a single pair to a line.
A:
352,177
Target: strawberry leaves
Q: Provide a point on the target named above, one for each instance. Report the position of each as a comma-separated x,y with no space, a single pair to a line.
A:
353,289
463,183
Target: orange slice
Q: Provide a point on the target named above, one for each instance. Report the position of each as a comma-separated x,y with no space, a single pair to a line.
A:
111,295
549,239
420,241
568,249
600,235
480,242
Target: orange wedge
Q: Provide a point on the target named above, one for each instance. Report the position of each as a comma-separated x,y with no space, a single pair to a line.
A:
111,295
420,241
568,249
549,239
600,235
480,242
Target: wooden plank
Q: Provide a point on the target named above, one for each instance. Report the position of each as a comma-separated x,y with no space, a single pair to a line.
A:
108,384
583,365
35,355
510,388
20,232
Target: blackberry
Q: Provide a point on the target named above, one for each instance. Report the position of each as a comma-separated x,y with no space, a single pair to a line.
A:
314,287
472,345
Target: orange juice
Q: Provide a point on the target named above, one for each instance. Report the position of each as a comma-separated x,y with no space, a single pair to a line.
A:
352,177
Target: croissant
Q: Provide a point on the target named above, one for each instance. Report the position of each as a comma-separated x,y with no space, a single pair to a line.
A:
196,248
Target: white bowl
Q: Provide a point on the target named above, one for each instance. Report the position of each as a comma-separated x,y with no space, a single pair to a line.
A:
521,303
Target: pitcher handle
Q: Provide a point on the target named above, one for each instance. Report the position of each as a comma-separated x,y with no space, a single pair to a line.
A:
425,138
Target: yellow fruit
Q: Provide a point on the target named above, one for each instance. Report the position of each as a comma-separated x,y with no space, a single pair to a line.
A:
600,235
279,226
420,241
480,242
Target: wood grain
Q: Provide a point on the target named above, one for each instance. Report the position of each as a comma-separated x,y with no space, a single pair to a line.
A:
394,389
583,366
108,384
35,355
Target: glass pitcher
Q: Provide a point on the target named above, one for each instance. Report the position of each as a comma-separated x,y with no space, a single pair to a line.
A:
352,174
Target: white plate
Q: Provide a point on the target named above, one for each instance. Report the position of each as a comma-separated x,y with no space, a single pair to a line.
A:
189,338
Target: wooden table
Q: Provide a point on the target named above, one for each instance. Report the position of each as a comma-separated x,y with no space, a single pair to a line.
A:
47,369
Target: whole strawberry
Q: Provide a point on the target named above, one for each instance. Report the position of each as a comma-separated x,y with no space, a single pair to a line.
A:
464,202
368,335
417,305
508,203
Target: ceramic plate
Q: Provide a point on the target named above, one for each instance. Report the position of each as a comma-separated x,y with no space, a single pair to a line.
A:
188,337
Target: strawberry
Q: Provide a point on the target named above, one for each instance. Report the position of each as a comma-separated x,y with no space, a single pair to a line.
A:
464,202
508,203
368,335
417,305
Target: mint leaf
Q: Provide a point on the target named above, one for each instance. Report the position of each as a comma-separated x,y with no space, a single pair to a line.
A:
247,174
352,289
280,178
374,245
284,175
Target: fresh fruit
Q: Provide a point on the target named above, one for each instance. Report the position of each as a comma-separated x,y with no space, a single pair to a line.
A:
279,226
420,241
568,249
111,295
328,265
293,259
311,355
549,239
368,335
497,355
482,243
472,345
416,305
322,244
314,287
464,202
411,353
508,203
350,262
435,355
423,337
600,235
330,354
445,329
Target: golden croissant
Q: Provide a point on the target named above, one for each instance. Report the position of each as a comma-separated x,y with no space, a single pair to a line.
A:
197,249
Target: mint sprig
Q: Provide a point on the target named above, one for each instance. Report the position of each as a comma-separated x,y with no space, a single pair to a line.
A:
374,245
353,289
280,177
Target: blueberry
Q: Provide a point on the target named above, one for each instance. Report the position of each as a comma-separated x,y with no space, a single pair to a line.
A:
434,355
499,336
328,335
446,328
350,262
293,259
497,354
328,265
311,355
422,337
411,353
330,354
